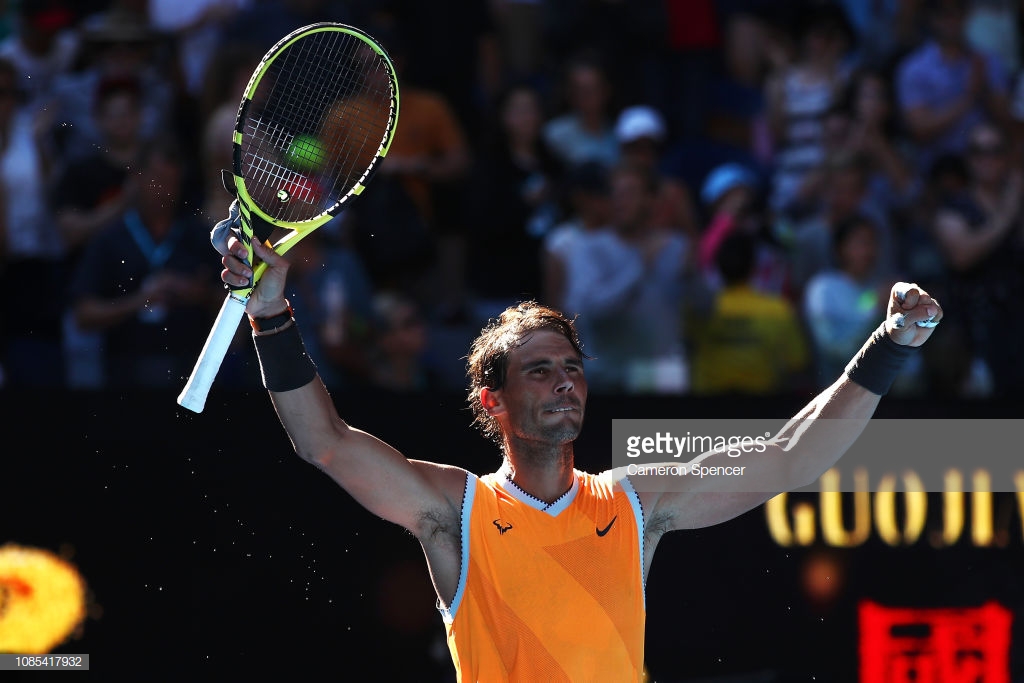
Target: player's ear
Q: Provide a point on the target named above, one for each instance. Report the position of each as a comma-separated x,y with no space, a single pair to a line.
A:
490,399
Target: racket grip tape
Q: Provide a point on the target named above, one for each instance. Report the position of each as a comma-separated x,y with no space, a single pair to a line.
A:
193,396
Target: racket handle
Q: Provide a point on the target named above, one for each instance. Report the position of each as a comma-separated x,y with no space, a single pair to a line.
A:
193,396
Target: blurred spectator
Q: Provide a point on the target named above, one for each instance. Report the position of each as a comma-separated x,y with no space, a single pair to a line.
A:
886,29
8,19
737,110
631,295
520,29
226,79
408,228
453,50
920,256
641,133
512,204
844,189
586,189
631,40
196,27
147,282
874,133
332,289
398,346
861,147
1015,124
946,87
584,131
800,94
843,304
261,23
993,27
732,196
43,46
981,236
93,191
691,36
116,46
32,253
751,342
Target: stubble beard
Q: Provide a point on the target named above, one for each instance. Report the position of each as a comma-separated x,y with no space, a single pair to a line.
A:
545,444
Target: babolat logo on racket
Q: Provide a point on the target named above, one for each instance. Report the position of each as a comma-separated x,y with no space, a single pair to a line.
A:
283,195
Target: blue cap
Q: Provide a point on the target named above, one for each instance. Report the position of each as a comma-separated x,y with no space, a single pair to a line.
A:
724,178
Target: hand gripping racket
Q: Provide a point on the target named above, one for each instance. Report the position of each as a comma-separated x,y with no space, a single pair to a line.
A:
316,119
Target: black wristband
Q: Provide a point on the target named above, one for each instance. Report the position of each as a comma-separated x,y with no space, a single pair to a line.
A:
267,326
283,359
878,362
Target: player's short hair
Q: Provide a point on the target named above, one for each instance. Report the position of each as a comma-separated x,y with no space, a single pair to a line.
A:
487,362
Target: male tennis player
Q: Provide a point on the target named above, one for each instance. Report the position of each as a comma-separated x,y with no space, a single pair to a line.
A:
540,568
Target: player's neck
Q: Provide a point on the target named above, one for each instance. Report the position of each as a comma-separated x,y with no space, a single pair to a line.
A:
544,475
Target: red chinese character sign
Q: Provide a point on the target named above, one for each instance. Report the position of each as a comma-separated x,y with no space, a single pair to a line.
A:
934,645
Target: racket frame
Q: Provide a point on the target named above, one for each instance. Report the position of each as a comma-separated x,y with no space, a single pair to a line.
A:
193,396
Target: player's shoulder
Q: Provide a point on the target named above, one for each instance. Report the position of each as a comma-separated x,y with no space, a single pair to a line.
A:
605,483
449,479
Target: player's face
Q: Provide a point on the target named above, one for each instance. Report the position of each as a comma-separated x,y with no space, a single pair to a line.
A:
545,392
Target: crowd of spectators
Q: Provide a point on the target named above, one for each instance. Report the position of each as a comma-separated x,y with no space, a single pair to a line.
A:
722,191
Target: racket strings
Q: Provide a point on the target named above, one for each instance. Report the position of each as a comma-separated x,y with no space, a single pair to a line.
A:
318,120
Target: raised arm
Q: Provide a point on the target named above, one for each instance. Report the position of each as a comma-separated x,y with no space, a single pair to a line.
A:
809,444
423,497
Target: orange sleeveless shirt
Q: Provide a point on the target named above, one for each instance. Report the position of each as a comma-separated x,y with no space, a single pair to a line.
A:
549,592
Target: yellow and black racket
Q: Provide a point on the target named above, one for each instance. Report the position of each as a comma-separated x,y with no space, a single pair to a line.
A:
316,119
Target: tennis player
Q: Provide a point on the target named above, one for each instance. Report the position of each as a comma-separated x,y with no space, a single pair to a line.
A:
539,567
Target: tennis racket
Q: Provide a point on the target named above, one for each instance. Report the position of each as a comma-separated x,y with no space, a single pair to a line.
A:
317,117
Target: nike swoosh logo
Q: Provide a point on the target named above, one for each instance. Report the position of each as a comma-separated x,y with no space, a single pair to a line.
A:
602,532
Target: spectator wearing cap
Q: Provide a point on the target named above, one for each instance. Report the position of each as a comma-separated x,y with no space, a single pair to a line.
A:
732,198
727,192
641,133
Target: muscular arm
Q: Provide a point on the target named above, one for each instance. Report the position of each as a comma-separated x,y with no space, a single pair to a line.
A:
423,497
811,442
416,495
807,446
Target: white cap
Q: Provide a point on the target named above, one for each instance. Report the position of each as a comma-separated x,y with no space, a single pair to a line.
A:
639,122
